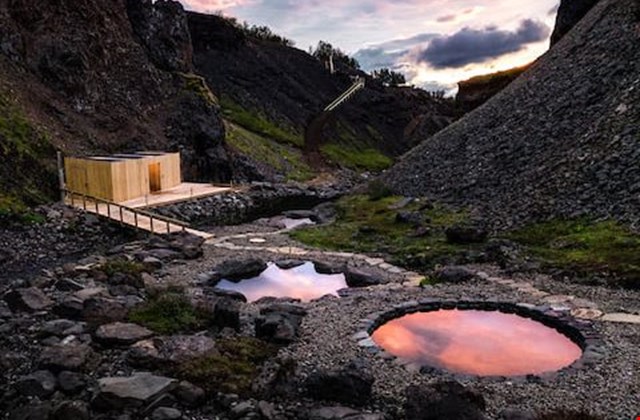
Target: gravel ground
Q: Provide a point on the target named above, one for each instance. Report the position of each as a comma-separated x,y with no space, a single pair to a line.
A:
609,389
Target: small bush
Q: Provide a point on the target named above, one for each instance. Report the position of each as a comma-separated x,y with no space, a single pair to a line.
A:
170,312
129,268
232,368
362,159
377,190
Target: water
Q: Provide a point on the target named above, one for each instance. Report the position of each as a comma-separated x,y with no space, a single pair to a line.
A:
294,223
301,282
477,343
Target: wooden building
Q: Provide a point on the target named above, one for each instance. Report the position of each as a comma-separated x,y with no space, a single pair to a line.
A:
123,177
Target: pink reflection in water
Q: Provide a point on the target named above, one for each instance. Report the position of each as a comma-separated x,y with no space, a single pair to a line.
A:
477,342
301,282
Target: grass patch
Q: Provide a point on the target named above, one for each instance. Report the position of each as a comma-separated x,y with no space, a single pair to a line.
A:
585,247
368,226
24,179
257,123
129,268
232,368
170,312
198,85
363,159
282,158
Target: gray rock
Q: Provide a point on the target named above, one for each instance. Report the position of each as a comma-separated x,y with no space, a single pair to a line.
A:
27,300
443,401
132,391
121,334
454,274
359,278
240,269
100,310
226,314
289,264
39,384
160,351
349,385
466,234
166,413
189,394
242,409
71,382
71,410
62,328
64,357
279,323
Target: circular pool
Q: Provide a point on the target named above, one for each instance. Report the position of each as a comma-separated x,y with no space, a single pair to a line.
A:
477,342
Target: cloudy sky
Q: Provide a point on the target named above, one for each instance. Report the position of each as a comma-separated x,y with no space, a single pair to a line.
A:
434,42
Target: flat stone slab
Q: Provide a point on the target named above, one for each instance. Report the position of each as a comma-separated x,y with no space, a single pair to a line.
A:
120,333
621,318
132,391
586,313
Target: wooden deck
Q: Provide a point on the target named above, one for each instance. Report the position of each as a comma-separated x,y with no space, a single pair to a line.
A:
183,192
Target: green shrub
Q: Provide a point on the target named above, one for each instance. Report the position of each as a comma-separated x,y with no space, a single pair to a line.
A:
363,159
231,368
170,312
377,190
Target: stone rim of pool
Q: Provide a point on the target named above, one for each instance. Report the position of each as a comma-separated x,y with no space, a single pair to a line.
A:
580,332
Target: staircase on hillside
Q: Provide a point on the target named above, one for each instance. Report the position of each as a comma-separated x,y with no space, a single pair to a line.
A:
357,85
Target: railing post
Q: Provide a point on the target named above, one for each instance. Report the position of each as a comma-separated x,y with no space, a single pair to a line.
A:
84,202
168,228
97,209
135,219
121,216
73,204
151,223
109,210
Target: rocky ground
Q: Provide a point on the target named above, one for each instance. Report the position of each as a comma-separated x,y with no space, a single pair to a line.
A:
76,343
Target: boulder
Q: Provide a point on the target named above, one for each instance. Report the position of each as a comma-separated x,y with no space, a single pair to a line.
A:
71,382
62,328
454,274
71,410
466,234
64,357
289,264
279,323
166,413
101,310
327,268
358,278
443,401
410,217
121,334
39,384
240,269
189,394
226,314
132,391
160,351
27,300
350,385
227,294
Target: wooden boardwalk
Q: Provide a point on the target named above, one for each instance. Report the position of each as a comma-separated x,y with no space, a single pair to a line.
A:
183,192
130,216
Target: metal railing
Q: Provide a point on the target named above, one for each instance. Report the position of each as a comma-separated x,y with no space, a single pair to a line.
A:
359,84
89,203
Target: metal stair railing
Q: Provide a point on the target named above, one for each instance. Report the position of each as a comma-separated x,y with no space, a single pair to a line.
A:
163,221
359,84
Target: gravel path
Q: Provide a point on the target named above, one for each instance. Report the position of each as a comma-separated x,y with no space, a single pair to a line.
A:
610,388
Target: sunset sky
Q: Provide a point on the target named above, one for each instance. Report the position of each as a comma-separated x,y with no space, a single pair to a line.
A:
434,42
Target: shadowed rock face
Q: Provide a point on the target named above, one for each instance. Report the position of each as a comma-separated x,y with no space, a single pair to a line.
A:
99,79
569,14
562,140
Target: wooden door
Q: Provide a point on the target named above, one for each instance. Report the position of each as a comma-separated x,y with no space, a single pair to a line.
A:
155,183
